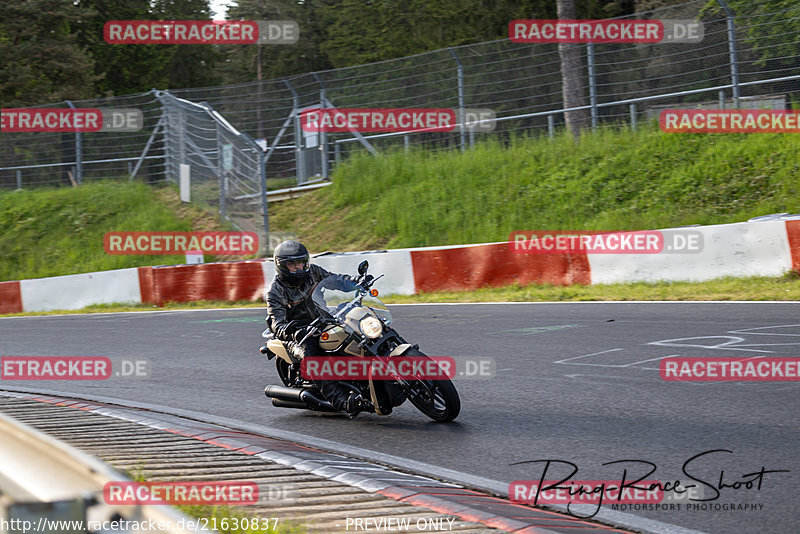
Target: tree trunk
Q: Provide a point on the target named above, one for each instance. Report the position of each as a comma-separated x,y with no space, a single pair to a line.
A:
572,75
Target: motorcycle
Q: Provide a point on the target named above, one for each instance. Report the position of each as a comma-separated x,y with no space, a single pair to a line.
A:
354,323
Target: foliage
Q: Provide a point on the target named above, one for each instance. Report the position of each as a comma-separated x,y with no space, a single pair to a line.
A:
42,60
125,69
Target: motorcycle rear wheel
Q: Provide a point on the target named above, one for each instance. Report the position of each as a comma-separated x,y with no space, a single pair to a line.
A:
285,372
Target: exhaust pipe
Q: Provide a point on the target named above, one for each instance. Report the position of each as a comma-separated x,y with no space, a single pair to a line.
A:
289,404
316,403
297,398
283,393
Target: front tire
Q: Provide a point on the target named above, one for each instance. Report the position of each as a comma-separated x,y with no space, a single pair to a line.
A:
438,399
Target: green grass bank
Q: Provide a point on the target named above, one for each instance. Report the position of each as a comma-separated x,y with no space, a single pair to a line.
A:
612,179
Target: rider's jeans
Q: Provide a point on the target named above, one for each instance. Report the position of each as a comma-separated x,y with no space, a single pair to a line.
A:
332,390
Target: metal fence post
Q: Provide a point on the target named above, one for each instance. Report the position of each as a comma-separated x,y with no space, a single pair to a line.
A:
722,100
632,111
299,163
78,151
323,139
337,152
262,169
592,83
221,171
551,126
732,52
406,142
460,76
19,179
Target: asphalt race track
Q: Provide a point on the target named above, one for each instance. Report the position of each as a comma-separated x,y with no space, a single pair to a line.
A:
574,382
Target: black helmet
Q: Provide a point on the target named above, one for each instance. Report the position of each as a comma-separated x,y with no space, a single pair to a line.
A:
292,251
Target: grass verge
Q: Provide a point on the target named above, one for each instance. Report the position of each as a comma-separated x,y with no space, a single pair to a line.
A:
57,231
612,179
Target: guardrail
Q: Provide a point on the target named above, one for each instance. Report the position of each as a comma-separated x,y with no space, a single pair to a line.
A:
49,486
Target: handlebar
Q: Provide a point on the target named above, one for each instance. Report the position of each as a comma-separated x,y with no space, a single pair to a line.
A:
368,281
313,329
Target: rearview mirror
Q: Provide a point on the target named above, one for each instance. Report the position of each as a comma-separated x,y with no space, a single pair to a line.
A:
362,267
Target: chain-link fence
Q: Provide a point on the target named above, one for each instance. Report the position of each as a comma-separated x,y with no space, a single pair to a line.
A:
744,60
221,164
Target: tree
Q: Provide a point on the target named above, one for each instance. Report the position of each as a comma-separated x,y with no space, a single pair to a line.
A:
772,29
188,65
121,69
134,68
42,61
246,63
572,75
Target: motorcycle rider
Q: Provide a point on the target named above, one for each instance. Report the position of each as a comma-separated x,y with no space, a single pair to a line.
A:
290,311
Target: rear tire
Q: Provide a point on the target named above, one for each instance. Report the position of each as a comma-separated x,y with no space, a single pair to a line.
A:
285,372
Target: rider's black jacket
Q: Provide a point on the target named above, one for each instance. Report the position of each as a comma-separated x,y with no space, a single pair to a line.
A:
286,303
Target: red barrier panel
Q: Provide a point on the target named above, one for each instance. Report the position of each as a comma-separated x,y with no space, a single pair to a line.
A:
793,232
209,281
10,297
462,268
146,285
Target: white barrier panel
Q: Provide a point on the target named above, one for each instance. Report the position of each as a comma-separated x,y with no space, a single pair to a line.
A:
395,265
76,291
738,249
268,268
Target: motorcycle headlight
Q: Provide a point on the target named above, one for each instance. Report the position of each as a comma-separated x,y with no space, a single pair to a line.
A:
371,327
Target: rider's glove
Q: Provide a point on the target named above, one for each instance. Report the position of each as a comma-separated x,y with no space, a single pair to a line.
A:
300,333
286,331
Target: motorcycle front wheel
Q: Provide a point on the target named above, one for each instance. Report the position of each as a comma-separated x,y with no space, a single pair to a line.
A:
438,399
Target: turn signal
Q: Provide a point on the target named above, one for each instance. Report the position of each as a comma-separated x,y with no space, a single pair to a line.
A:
324,336
373,292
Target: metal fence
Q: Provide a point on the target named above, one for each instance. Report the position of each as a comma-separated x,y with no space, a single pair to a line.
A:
743,61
